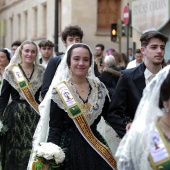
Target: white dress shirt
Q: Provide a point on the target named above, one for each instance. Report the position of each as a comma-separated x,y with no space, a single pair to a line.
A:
44,63
148,76
132,64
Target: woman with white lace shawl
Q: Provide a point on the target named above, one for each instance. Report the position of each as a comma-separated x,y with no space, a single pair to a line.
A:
4,61
22,81
75,75
147,145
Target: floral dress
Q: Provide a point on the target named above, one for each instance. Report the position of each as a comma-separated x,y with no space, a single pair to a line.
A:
21,120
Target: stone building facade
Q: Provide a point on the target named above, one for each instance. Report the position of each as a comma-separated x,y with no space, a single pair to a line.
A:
35,20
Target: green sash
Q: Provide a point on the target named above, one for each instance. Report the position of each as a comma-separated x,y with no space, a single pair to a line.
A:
75,112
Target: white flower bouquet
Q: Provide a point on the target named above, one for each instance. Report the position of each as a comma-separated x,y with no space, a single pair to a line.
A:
3,128
48,154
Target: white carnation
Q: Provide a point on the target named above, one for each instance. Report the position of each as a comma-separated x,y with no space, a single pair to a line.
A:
59,157
50,151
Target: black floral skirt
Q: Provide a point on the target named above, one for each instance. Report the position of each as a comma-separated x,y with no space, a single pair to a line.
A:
21,120
79,154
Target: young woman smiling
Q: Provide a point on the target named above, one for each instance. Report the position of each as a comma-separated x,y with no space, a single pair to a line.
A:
22,81
75,103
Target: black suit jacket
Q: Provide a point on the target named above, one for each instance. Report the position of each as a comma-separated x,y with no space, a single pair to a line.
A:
40,60
126,97
50,71
49,74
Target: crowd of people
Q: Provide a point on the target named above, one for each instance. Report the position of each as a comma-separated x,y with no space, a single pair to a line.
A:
62,99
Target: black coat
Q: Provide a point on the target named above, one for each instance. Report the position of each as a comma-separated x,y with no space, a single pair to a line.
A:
126,97
50,71
109,79
49,74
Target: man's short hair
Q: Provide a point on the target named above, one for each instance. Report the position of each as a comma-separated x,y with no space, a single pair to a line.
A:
137,51
101,46
130,48
147,36
45,43
16,43
72,31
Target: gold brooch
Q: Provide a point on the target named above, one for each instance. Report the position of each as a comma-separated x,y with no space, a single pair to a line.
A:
86,107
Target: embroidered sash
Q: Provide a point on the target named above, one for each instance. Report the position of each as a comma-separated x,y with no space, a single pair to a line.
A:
75,112
24,87
159,156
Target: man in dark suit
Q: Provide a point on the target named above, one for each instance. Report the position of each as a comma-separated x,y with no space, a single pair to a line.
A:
129,89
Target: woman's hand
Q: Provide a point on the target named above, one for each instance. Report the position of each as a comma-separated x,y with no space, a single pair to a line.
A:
128,126
45,167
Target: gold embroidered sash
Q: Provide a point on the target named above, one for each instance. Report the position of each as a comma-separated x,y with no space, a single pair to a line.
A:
75,112
159,156
24,87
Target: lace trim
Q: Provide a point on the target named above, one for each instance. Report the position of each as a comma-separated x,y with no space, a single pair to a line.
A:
96,99
34,84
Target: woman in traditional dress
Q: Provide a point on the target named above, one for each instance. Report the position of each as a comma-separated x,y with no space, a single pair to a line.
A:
4,61
147,145
22,80
76,101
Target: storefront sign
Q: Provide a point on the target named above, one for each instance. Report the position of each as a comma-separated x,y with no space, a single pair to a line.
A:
150,14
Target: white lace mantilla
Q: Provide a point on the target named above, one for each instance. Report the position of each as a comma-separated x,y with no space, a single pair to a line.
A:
134,148
34,84
96,99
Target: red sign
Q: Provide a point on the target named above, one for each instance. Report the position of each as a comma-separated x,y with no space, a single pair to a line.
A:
126,15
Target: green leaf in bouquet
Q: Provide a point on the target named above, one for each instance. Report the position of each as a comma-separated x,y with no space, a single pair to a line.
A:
37,165
42,161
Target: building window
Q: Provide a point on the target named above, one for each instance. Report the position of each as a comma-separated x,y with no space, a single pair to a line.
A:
35,22
19,26
11,29
25,24
44,19
108,12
